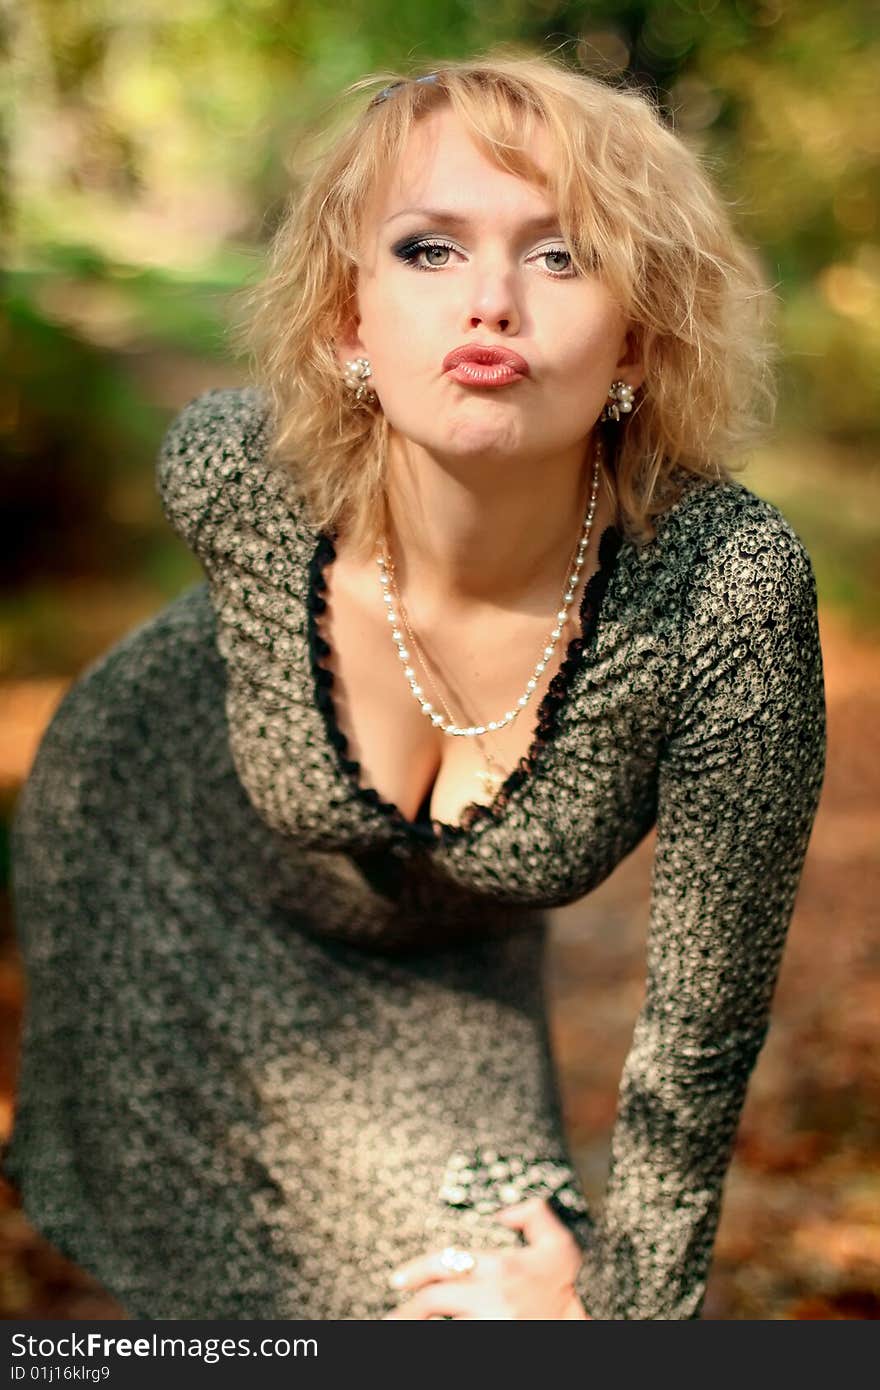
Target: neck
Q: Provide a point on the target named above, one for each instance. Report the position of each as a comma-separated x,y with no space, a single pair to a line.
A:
498,532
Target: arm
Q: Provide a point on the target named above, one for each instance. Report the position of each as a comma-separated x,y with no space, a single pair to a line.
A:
738,787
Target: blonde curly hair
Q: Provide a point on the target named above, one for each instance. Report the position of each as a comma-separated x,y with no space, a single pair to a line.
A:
635,206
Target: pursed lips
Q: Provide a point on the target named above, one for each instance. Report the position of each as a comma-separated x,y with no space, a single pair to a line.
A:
482,355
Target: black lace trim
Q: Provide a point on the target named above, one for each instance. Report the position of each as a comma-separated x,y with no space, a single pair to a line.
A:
476,815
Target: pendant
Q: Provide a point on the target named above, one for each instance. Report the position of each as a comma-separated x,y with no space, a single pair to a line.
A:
492,783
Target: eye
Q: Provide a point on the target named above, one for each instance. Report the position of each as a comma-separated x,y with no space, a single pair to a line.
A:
411,251
563,272
437,256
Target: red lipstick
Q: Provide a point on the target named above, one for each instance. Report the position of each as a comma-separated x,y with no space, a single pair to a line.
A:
474,365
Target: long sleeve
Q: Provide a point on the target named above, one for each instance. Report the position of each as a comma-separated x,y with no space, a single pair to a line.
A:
207,449
739,780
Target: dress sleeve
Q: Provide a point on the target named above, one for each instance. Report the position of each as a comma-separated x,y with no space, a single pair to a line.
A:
207,449
739,779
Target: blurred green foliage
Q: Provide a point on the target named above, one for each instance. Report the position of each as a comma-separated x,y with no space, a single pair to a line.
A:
148,151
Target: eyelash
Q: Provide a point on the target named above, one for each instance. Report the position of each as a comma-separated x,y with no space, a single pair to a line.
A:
411,250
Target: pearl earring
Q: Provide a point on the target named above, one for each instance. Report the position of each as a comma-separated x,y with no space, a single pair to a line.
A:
357,373
620,401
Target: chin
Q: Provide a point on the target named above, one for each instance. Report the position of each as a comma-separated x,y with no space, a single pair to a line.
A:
486,449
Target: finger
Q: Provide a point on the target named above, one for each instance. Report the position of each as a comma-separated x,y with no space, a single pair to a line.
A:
441,1300
547,1238
535,1218
424,1269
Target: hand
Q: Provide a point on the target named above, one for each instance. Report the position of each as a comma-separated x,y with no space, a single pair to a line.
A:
535,1281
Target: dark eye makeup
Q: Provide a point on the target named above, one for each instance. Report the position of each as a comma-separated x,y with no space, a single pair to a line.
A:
410,249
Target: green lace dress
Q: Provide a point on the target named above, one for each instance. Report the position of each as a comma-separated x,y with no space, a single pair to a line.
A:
279,1038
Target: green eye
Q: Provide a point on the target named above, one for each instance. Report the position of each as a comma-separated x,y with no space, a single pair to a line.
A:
563,255
411,251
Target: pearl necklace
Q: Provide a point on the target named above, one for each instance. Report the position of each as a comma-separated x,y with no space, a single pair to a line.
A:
492,781
445,725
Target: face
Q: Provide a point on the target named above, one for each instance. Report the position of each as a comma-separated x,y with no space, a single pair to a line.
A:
485,266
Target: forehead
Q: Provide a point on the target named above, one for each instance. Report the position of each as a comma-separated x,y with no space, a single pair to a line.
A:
442,166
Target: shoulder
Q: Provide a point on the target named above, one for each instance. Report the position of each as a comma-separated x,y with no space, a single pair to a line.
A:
735,555
748,644
222,417
213,459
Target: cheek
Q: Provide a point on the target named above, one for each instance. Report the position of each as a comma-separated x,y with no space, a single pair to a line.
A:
406,343
585,368
591,337
588,328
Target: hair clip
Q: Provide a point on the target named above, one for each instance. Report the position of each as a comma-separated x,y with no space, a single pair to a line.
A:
386,91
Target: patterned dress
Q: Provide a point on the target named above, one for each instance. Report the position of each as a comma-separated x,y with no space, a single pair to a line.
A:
279,1038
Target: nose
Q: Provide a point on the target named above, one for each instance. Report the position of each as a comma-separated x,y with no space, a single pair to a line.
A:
493,300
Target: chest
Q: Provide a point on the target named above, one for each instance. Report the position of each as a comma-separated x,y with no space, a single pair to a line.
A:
335,754
473,663
472,670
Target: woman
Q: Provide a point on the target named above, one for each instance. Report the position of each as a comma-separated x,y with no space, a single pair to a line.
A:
484,605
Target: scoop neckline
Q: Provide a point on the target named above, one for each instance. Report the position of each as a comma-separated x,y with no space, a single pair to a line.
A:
476,815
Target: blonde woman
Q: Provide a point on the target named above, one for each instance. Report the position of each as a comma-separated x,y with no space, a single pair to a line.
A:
484,606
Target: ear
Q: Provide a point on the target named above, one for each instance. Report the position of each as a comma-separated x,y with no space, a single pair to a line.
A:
347,341
629,365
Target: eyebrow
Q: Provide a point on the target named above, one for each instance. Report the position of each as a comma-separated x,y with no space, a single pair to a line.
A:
458,219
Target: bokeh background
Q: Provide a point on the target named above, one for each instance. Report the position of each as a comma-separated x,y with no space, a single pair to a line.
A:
146,153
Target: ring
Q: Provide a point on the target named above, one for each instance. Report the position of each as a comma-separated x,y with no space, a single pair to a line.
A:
457,1261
